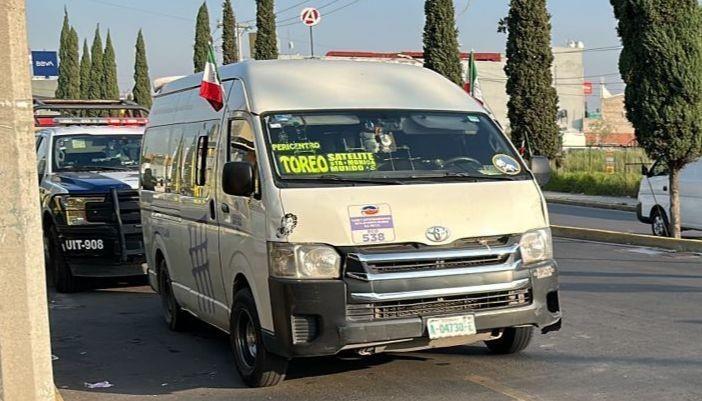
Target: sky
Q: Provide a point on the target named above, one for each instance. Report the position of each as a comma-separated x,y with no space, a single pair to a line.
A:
374,25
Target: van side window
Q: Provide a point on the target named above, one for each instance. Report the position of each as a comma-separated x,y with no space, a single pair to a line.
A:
156,161
242,147
659,168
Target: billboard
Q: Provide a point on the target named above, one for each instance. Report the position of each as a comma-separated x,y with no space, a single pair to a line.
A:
44,64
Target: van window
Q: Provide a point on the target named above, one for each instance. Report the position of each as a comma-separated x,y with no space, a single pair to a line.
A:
242,147
156,159
397,144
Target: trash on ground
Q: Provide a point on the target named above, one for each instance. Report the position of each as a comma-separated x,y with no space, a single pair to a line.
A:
103,384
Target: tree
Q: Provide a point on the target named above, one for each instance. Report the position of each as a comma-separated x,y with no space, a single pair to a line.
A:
85,65
441,52
229,37
202,38
266,47
661,64
97,78
69,70
533,103
142,83
109,69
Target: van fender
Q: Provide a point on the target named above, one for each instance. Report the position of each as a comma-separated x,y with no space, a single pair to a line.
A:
158,245
239,264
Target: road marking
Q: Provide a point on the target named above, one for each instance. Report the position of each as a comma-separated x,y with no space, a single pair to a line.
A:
501,388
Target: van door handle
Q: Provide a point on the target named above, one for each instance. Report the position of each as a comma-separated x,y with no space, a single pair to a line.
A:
665,188
225,208
212,209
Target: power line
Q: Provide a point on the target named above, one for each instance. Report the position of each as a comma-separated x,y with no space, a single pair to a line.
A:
142,10
327,14
280,11
318,8
592,49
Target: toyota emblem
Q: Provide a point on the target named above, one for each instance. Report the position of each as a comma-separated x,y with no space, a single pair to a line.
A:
437,233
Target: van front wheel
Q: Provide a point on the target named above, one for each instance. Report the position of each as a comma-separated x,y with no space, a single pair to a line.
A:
513,340
257,367
659,223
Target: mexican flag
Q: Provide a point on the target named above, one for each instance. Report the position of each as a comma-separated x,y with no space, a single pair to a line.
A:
211,87
473,83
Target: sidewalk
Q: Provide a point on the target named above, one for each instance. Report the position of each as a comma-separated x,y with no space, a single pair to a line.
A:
603,202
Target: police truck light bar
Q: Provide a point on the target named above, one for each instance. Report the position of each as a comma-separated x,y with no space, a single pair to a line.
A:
111,121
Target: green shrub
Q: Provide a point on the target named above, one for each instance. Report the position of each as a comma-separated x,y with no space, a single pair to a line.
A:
626,160
595,183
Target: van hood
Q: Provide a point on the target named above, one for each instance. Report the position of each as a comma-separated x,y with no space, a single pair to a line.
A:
97,181
432,214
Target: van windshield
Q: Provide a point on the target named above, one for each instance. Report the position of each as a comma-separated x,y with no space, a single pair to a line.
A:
398,145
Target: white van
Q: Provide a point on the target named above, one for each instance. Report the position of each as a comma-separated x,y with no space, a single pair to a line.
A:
340,205
654,197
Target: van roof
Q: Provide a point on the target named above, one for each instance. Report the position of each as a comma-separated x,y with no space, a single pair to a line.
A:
313,84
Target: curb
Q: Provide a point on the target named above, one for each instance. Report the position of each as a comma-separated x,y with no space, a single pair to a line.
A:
614,237
600,205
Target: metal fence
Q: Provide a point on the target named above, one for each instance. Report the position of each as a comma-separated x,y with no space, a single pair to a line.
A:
605,159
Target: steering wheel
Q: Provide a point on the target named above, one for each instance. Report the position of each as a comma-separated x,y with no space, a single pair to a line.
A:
459,159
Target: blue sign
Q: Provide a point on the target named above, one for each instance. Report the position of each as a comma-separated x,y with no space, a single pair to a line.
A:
44,64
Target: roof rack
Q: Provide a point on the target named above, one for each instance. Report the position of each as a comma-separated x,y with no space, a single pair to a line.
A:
79,104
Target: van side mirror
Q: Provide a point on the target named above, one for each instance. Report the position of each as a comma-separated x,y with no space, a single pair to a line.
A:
238,179
541,168
644,170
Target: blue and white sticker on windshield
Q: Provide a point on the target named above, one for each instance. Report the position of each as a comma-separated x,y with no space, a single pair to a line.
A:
506,164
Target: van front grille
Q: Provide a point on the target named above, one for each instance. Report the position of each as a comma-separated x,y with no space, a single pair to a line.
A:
436,264
439,306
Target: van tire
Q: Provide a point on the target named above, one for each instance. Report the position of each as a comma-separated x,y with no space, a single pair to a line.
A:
63,279
513,340
176,318
257,367
659,223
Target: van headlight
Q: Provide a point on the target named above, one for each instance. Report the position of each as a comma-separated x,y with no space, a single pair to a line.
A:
74,207
536,246
303,261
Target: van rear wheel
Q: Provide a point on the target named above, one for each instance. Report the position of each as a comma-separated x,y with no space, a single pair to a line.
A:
513,340
175,317
257,366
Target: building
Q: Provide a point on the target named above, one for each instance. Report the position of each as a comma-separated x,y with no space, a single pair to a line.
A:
610,126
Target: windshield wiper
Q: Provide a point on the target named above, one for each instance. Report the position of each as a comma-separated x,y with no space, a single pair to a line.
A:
338,178
466,176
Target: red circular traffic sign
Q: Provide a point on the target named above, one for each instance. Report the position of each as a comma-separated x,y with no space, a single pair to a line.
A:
310,16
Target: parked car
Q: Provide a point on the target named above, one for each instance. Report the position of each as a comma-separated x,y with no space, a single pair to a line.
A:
342,206
654,197
88,180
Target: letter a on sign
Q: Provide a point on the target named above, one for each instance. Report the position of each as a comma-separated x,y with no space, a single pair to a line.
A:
310,16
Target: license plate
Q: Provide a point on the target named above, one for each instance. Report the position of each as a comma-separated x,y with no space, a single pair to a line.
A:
454,326
83,245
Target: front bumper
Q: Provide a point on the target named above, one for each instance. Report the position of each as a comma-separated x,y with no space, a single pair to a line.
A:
323,306
97,251
640,216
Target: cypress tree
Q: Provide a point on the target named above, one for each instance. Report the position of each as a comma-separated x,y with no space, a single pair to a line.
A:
266,47
661,64
229,43
97,78
533,102
441,52
69,73
85,71
109,69
142,84
202,38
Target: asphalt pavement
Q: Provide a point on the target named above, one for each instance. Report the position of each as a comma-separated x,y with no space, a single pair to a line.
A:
603,219
631,331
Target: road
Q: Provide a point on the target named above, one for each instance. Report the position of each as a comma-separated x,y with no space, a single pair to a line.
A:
631,332
604,219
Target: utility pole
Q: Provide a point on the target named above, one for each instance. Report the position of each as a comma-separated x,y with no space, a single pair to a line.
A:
25,352
240,30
